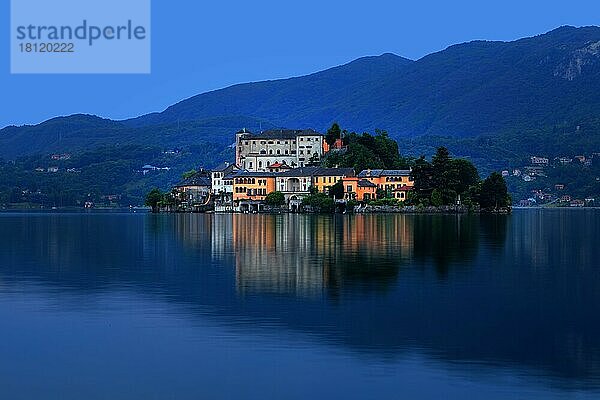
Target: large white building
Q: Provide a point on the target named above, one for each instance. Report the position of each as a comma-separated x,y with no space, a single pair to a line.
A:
295,148
221,178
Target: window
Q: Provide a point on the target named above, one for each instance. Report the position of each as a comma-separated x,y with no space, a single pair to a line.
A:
349,188
260,164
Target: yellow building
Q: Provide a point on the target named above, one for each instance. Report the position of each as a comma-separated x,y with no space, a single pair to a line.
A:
324,178
252,185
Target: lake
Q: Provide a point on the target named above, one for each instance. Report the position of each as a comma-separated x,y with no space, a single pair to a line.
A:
139,306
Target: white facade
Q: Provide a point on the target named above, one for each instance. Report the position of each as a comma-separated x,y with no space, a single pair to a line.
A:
221,182
295,148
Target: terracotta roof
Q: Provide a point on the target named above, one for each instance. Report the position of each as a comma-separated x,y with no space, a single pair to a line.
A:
279,165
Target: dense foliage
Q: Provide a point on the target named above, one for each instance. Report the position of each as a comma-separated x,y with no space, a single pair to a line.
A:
318,202
275,199
366,151
493,193
448,181
154,198
107,175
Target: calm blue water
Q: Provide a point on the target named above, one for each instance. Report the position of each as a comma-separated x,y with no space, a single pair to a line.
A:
137,306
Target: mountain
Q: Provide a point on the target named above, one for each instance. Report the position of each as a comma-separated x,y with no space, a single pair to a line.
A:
307,101
468,89
79,132
495,102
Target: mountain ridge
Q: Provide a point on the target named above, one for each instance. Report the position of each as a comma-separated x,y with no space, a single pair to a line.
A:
466,90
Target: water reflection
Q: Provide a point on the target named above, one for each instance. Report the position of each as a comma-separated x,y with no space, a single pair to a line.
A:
517,292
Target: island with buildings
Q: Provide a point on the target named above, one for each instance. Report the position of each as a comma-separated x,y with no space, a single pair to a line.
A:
290,171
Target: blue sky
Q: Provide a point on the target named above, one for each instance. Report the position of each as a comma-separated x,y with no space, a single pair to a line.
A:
199,46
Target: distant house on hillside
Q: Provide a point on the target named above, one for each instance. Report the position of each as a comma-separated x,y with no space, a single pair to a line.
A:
535,160
148,168
564,160
577,203
60,157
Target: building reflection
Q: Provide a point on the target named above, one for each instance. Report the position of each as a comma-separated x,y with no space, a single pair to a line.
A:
303,255
519,291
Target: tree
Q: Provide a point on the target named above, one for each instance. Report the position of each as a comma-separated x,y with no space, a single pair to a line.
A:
336,191
440,163
467,175
445,177
422,175
153,199
387,150
319,202
436,198
275,199
334,133
366,151
494,193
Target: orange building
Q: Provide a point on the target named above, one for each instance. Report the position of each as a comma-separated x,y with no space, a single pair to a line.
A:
396,182
359,189
324,178
253,185
337,145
